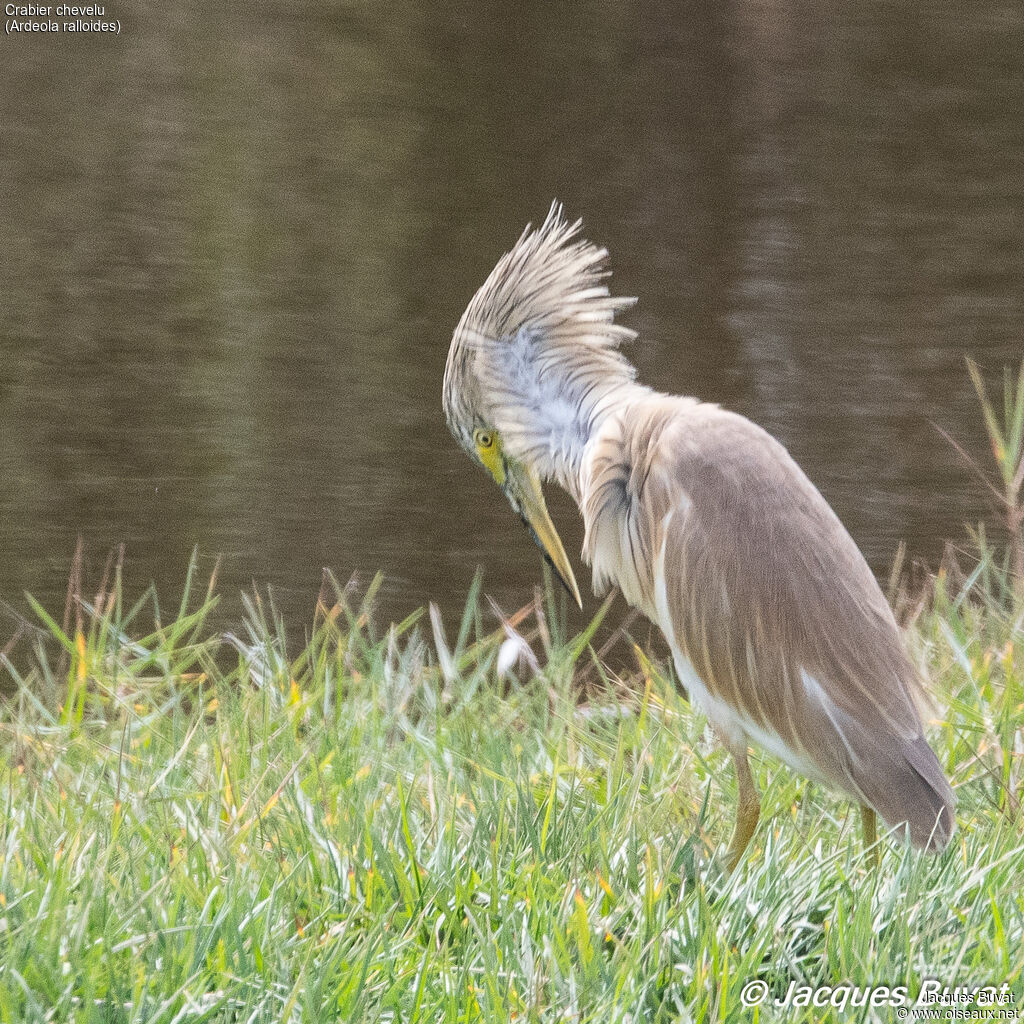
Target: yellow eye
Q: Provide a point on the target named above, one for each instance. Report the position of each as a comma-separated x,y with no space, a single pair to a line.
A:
488,450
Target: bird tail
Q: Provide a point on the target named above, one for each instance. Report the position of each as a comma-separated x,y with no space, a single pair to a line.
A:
902,780
916,793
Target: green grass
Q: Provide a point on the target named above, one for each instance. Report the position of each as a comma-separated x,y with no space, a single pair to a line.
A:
380,828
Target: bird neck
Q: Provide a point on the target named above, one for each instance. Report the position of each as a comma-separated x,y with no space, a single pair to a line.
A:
569,441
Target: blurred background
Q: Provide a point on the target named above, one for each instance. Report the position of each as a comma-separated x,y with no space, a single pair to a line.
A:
233,247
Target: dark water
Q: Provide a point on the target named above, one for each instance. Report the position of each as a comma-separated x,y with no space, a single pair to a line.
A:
233,247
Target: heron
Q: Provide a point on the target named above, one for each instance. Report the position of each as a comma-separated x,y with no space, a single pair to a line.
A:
778,629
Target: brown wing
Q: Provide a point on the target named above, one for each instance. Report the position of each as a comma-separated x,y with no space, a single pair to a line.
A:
772,603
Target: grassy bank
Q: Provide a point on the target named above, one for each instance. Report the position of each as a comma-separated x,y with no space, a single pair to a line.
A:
384,825
379,827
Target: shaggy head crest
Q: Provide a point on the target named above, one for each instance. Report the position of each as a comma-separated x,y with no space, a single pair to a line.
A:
538,347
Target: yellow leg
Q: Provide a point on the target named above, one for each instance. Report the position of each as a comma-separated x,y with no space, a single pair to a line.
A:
748,810
869,825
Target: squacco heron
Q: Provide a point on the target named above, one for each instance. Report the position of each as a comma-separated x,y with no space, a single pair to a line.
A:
777,627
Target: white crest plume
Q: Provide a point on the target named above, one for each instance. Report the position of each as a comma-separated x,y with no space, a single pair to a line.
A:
537,349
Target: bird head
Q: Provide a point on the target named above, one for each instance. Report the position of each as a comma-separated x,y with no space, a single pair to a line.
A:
522,487
531,360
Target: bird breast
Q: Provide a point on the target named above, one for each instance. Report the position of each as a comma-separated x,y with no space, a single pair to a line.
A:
626,518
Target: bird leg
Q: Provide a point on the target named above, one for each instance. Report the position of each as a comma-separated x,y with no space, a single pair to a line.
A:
869,825
748,810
